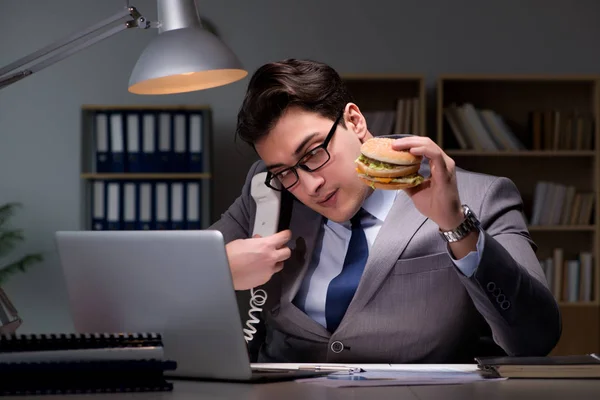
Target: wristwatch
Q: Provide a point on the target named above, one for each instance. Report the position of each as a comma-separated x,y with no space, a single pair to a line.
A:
469,224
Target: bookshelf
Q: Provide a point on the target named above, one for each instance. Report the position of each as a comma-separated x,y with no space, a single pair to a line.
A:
391,103
541,132
146,167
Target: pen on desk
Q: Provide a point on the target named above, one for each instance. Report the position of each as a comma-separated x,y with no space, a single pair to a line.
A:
349,370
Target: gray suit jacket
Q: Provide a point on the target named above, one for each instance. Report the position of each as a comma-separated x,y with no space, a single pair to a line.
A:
412,304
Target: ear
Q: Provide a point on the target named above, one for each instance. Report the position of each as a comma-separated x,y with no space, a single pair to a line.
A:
356,122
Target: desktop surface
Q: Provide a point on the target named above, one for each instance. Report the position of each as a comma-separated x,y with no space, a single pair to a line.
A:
513,389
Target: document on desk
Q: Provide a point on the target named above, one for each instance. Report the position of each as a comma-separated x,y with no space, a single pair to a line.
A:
353,375
437,368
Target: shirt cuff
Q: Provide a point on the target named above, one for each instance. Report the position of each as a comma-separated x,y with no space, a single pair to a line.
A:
469,263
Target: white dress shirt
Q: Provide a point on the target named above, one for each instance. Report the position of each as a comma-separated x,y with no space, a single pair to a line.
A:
330,250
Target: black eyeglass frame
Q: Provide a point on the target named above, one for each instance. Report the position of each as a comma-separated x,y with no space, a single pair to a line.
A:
271,176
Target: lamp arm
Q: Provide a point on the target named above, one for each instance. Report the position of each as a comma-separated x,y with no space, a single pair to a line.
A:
72,44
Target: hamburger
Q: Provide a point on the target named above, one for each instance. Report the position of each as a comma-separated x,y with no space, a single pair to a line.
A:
382,167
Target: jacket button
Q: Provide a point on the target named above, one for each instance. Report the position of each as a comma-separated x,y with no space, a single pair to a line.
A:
500,298
337,346
491,286
505,305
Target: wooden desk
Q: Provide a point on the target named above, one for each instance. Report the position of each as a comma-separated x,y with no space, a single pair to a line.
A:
510,389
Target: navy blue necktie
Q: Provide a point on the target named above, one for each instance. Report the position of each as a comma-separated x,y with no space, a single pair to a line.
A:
342,288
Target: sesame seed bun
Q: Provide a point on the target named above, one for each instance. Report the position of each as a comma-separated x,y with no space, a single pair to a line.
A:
381,149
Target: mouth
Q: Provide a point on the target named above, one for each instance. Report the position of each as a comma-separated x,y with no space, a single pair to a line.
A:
329,197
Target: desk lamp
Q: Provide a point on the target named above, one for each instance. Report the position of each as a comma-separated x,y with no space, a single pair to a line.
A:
184,57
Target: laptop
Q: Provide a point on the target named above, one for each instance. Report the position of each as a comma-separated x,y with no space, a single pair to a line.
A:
176,283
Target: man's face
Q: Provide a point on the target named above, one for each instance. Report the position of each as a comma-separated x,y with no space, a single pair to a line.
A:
333,190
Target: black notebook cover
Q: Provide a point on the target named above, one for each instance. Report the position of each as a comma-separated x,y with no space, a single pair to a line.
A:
586,359
84,377
61,368
72,341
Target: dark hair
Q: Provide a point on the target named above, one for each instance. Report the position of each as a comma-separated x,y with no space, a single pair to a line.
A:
276,86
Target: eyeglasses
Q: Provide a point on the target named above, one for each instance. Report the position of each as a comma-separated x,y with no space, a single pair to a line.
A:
309,162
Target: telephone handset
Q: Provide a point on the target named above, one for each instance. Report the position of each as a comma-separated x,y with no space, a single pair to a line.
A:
266,223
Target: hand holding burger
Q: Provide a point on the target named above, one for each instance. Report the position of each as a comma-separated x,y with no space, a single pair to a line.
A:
382,167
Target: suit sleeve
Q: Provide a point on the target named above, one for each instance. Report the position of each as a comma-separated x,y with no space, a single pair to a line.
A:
509,287
235,223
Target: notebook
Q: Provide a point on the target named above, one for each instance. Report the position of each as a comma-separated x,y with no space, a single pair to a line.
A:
176,283
82,363
572,366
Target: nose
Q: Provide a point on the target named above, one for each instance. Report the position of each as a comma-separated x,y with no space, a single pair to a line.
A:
311,181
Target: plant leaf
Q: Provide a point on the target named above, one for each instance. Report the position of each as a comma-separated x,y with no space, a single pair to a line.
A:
7,211
8,240
19,266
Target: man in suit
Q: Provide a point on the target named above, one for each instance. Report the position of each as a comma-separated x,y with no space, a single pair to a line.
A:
369,276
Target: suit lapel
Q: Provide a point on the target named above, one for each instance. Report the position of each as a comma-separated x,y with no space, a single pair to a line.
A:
399,227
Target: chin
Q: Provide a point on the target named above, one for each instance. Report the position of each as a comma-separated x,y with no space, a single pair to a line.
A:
343,213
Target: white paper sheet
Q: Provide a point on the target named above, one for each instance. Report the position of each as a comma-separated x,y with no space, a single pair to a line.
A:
388,374
396,378
375,367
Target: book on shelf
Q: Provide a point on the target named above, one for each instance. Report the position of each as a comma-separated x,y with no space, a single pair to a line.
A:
554,129
559,204
480,129
570,279
403,120
554,367
82,363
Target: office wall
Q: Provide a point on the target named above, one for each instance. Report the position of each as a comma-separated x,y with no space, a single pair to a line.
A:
39,116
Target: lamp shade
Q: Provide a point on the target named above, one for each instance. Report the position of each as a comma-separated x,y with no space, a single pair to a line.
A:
184,60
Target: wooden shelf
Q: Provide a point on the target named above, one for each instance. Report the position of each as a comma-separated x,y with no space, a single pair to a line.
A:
546,113
526,153
149,107
578,304
552,228
520,77
148,176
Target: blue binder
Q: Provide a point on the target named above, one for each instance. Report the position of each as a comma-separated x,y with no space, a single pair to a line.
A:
193,205
179,158
116,142
129,198
162,206
98,206
149,159
145,207
165,141
113,205
133,140
195,144
101,142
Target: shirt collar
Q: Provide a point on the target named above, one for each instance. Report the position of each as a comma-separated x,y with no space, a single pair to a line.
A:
379,203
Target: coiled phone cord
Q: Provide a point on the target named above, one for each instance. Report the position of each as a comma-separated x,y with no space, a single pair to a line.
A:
257,300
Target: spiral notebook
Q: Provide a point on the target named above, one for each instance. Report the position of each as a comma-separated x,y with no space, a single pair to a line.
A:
82,363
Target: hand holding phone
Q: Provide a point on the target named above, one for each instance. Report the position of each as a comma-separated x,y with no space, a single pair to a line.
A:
253,261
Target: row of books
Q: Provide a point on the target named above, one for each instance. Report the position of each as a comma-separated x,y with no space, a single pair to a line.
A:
570,279
83,363
480,129
146,205
404,120
561,130
558,204
148,141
